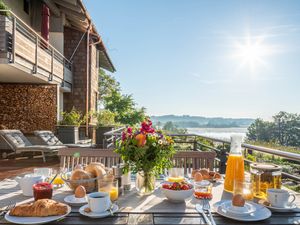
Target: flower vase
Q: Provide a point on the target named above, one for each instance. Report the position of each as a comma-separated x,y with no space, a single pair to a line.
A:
145,183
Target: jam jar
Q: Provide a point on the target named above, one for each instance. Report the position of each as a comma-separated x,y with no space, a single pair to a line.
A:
42,190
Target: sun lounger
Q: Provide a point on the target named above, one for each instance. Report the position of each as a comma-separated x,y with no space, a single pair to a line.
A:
48,138
19,143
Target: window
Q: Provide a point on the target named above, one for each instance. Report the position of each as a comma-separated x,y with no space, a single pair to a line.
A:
26,6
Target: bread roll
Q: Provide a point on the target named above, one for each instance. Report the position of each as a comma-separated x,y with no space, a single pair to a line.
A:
81,175
205,173
96,169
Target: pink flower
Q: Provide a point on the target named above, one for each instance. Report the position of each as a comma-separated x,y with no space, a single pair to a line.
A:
146,127
129,130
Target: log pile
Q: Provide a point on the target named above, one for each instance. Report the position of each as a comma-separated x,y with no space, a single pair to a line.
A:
28,107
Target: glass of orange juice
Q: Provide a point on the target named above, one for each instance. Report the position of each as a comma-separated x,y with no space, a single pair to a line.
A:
175,175
109,186
244,188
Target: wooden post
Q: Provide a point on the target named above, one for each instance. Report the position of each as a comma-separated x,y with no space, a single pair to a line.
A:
14,28
52,64
36,54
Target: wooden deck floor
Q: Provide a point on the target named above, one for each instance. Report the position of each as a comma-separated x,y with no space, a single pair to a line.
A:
14,167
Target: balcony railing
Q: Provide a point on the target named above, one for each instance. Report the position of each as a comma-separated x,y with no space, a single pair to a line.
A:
196,142
26,47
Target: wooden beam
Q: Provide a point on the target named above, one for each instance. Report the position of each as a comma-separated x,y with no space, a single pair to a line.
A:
73,14
52,6
67,5
83,25
73,2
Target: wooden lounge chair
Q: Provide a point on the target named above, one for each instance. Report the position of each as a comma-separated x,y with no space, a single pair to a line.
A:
189,160
19,143
48,138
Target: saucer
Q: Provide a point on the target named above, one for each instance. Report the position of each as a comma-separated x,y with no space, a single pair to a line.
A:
103,214
289,208
246,209
72,200
260,212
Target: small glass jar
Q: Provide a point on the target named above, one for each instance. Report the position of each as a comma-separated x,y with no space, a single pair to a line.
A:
42,190
203,190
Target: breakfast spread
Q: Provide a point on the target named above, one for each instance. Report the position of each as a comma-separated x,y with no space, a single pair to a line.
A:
40,208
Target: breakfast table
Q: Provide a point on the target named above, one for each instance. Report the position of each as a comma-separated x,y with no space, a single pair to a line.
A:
152,209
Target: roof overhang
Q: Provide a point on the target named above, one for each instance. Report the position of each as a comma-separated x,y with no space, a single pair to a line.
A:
77,17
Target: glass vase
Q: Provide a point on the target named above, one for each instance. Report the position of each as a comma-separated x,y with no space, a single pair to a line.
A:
145,183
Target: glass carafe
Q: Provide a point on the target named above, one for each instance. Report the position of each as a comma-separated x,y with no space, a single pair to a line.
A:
235,164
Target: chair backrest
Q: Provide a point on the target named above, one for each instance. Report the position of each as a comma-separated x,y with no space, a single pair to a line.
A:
70,157
189,160
194,160
15,138
47,137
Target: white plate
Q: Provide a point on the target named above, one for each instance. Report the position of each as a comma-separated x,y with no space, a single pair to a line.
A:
289,208
34,220
97,215
260,213
70,199
247,209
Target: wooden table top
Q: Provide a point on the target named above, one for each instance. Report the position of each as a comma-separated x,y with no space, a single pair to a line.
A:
135,209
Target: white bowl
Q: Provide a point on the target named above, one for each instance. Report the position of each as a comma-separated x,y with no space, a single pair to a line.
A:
177,195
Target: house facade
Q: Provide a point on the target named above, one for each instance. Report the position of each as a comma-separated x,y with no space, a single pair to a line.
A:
50,54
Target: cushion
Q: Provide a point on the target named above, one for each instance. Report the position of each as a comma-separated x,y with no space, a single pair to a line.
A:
48,137
15,138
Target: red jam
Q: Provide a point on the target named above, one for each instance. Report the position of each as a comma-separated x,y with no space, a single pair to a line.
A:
203,195
42,190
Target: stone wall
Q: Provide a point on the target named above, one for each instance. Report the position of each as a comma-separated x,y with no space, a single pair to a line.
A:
28,107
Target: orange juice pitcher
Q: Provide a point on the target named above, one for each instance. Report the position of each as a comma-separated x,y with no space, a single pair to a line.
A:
235,164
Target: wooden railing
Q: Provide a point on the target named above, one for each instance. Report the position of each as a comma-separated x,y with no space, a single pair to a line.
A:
195,142
28,48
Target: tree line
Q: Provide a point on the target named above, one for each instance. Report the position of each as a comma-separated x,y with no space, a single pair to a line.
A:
284,129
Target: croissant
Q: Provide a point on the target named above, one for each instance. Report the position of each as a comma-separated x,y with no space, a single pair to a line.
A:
40,208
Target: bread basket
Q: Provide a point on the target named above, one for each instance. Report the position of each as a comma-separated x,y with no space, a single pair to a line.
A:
90,184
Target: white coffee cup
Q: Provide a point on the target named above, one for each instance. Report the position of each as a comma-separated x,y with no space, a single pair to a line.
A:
280,198
99,201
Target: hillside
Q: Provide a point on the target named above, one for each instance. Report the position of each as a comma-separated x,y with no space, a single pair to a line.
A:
186,121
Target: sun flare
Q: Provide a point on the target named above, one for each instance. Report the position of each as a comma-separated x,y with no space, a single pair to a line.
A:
252,52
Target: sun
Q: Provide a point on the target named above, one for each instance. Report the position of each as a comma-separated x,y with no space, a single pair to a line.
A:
252,52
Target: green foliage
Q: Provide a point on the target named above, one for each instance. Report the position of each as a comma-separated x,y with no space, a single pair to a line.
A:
107,84
4,7
72,118
123,106
284,130
105,118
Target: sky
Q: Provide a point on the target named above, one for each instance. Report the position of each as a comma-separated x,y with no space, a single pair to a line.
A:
208,58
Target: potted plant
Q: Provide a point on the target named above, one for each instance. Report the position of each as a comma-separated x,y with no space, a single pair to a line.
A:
67,130
105,123
146,152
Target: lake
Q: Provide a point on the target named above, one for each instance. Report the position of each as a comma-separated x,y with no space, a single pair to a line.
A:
221,133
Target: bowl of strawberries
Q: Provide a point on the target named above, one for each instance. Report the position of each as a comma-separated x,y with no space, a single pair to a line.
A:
177,191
